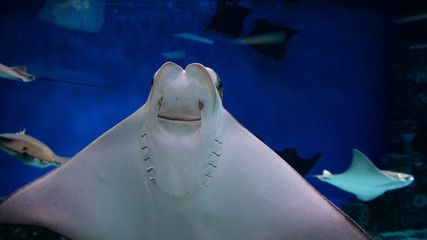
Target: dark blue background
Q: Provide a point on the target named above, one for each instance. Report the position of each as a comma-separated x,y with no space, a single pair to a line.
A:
338,102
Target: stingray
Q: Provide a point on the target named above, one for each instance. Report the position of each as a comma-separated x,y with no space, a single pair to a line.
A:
20,74
81,15
16,73
229,17
301,165
180,167
29,150
268,39
365,180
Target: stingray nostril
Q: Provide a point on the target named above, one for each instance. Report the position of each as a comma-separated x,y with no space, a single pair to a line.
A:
201,105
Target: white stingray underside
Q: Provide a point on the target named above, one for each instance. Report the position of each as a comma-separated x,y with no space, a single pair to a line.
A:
107,192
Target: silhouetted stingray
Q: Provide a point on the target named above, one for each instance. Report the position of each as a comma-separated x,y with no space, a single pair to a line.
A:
301,165
229,18
268,39
180,167
365,180
29,150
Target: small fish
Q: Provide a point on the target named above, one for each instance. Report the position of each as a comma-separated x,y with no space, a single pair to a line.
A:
194,37
365,180
16,73
177,54
29,150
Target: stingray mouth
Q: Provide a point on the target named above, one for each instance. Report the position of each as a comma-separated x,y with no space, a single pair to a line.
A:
179,119
179,112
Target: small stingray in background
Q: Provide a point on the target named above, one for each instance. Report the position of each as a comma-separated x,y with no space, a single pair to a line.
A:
301,165
365,180
20,74
29,150
81,15
16,73
268,39
229,18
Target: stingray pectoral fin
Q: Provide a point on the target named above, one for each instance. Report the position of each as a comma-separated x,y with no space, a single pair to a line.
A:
19,69
22,72
369,195
98,194
267,197
362,166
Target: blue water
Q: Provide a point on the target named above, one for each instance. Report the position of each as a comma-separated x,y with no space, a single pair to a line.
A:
330,94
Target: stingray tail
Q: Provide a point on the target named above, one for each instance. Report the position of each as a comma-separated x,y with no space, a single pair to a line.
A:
90,85
299,64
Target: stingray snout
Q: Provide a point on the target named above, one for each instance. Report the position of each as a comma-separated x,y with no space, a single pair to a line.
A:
184,95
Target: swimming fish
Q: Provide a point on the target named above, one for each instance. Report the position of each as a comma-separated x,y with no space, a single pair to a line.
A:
365,180
29,150
180,167
16,73
194,37
173,55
